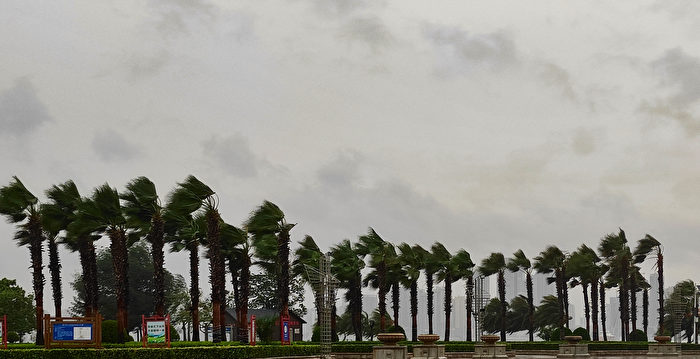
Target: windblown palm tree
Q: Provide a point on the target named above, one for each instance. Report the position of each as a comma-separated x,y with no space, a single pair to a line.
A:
103,214
582,268
380,255
431,266
412,263
307,254
552,259
613,248
144,216
520,262
236,250
649,246
451,269
22,208
496,264
347,265
270,238
53,222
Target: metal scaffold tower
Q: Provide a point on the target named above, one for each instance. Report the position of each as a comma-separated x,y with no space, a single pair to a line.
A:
678,309
325,287
481,299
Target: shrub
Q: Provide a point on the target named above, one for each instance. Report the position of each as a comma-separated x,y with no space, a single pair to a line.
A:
638,336
223,352
583,333
556,334
174,335
265,327
12,337
109,332
316,335
395,329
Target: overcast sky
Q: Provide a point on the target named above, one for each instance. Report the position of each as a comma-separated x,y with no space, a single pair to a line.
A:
488,126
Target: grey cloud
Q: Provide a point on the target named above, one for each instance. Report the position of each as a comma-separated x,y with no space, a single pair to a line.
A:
174,15
342,8
555,76
370,30
495,50
111,146
689,123
148,65
583,142
681,72
21,110
342,171
687,192
233,155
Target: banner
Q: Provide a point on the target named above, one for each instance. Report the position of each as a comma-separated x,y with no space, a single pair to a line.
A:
251,331
155,332
72,331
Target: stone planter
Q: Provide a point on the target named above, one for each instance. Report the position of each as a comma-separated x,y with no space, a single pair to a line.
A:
663,347
573,339
428,349
428,339
489,349
389,348
390,338
572,348
490,339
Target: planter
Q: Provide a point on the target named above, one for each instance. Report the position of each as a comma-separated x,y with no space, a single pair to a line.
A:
663,339
390,339
490,339
428,339
573,339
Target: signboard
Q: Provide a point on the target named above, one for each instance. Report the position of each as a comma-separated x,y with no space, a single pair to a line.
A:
284,324
251,331
3,332
73,331
156,331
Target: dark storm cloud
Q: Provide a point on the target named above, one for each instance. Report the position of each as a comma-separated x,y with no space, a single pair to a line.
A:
342,172
111,146
681,72
233,155
21,110
494,50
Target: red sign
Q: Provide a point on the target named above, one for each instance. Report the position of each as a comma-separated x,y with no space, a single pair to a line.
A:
285,335
3,331
155,331
251,331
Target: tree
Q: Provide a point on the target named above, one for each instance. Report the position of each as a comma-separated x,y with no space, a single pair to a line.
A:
237,251
346,266
102,214
552,259
451,269
412,263
17,305
263,287
144,216
307,254
548,317
21,207
496,264
649,246
618,256
379,252
141,286
270,237
582,267
431,266
520,262
681,297
52,229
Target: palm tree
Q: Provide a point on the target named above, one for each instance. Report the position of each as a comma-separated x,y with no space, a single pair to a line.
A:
451,269
552,259
346,266
57,215
185,231
548,314
53,221
431,266
395,274
520,262
583,269
380,253
22,208
412,263
613,247
103,214
650,246
236,251
270,238
144,216
518,316
307,254
496,263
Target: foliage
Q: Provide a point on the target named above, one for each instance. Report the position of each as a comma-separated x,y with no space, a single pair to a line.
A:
395,329
109,332
210,352
638,336
681,297
316,335
583,333
265,327
141,288
263,289
18,306
13,337
556,334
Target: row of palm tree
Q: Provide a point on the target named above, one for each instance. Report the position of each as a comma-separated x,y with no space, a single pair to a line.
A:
189,220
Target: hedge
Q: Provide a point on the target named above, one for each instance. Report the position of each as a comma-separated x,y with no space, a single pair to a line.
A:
231,352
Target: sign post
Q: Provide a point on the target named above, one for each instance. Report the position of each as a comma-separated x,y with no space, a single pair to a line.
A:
251,331
284,326
156,331
70,332
3,331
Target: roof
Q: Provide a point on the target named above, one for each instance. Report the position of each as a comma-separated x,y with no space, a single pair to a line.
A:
260,313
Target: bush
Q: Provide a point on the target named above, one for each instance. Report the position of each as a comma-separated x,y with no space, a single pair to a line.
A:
223,352
395,329
174,335
12,337
638,336
109,332
316,335
555,336
265,326
583,333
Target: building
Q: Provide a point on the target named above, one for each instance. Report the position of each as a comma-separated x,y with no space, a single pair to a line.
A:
296,323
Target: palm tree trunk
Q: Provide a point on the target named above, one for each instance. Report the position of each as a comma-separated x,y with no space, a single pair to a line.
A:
565,293
283,270
334,322
217,274
560,300
429,285
470,306
601,287
621,308
193,248
120,263
645,310
243,300
155,237
448,306
395,301
381,274
55,270
93,292
502,297
633,303
594,309
414,311
35,249
586,307
355,302
530,306
660,271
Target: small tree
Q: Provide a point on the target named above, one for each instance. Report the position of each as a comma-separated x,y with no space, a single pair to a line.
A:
17,305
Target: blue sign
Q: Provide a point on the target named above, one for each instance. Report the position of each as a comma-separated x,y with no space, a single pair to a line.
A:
72,331
285,331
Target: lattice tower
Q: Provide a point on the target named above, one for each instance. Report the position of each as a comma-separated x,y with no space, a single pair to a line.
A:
325,287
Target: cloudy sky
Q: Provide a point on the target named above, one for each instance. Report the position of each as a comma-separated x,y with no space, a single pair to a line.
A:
488,126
